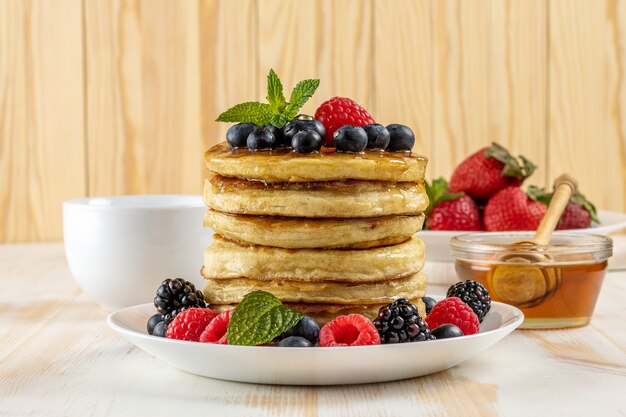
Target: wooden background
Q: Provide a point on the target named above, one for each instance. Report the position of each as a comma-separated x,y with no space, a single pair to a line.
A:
101,97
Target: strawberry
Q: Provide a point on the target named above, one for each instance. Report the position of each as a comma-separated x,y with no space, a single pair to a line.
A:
484,173
512,209
448,211
341,111
578,214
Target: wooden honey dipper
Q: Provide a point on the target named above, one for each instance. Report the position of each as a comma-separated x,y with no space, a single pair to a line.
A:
519,278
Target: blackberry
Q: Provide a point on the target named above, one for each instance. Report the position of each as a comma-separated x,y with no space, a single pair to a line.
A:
474,295
176,295
399,322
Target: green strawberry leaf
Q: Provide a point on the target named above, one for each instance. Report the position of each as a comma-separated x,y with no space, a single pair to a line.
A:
275,95
528,167
512,167
301,93
438,193
248,112
259,318
539,194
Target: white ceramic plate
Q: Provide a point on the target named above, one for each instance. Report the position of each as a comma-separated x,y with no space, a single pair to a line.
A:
316,365
438,242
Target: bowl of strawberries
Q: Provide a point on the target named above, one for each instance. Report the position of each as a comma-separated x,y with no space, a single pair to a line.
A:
485,194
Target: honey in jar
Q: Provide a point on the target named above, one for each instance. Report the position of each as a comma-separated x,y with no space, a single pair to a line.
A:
557,288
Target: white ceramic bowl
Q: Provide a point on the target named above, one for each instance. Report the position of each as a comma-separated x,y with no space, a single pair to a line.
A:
315,365
120,248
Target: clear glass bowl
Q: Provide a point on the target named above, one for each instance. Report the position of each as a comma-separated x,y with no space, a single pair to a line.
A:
556,285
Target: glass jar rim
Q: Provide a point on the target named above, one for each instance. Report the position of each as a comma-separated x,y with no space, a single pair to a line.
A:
491,243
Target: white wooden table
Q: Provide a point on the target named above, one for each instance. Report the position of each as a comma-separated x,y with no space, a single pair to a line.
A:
58,358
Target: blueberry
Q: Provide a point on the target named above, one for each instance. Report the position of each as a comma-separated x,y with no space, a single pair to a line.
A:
298,125
429,303
307,328
160,329
238,134
446,331
278,135
261,138
295,341
350,138
153,321
377,136
306,141
401,138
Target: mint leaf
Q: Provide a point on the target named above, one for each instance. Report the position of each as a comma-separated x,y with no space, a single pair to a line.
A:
301,93
280,120
249,112
259,318
275,95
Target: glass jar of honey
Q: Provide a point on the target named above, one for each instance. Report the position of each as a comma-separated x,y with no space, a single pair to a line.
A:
556,285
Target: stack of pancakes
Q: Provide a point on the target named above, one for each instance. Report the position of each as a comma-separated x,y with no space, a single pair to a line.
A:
327,233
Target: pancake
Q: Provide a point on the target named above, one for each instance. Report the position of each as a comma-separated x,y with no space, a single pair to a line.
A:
323,313
231,291
334,199
224,259
295,233
288,166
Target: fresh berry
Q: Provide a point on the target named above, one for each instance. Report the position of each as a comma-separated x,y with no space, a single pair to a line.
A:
474,294
215,332
399,322
484,173
278,135
377,136
401,138
295,341
261,138
446,331
160,329
153,321
307,328
574,217
189,324
341,111
512,209
578,214
176,295
237,135
429,303
306,141
350,138
350,330
454,311
448,211
302,123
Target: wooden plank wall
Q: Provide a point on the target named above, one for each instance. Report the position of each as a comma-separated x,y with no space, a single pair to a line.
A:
101,97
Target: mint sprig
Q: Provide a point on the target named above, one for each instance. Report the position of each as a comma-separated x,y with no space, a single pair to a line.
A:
259,318
275,94
277,110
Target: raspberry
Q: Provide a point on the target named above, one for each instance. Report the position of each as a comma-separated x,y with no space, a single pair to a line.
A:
341,111
350,330
189,324
454,311
215,332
